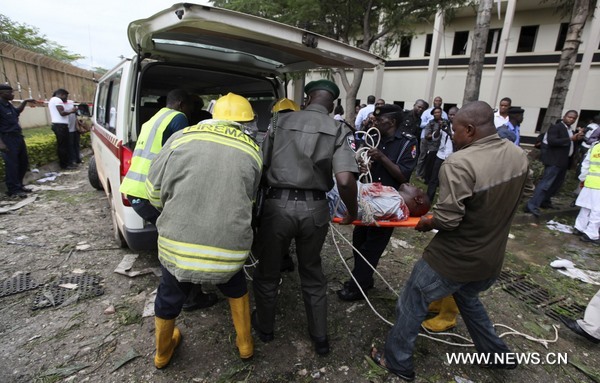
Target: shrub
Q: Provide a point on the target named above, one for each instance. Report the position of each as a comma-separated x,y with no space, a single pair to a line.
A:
41,149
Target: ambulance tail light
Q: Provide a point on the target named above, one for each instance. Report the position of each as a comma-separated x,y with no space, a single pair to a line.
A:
125,156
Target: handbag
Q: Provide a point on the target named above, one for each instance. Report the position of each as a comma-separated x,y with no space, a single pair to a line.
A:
84,124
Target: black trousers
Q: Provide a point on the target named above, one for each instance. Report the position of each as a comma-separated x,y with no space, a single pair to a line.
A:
16,161
74,143
371,242
434,180
61,131
172,294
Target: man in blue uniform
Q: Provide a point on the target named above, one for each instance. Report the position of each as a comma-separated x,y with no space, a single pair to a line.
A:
392,164
12,143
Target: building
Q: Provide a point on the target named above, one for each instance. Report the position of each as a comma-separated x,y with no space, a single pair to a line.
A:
536,33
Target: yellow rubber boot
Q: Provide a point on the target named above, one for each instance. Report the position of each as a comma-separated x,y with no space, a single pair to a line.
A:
167,339
240,313
446,319
434,307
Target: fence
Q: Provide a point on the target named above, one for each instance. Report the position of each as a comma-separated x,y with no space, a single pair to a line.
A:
33,75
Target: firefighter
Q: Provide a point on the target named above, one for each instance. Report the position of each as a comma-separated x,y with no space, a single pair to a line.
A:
204,181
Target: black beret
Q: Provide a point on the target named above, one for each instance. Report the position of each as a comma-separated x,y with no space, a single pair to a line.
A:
323,85
5,87
515,110
387,109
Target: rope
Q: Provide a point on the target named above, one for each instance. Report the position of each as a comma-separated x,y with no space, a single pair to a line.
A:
427,334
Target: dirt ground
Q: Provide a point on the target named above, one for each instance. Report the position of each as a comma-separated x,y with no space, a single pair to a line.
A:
69,232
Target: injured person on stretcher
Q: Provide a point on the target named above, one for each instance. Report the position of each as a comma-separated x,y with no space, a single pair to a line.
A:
377,203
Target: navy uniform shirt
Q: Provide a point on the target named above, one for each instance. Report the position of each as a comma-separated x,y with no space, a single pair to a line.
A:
410,123
9,118
401,149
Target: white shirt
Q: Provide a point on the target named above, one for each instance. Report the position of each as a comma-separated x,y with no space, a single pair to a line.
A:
362,115
446,147
499,120
55,116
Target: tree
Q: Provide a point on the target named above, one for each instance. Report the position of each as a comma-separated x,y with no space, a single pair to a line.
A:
28,37
480,36
580,10
372,25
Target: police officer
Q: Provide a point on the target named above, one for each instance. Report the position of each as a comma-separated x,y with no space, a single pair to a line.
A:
393,161
153,135
12,143
300,155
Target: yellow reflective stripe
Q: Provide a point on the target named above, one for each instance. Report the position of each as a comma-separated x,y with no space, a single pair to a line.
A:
219,140
208,252
199,261
180,266
153,194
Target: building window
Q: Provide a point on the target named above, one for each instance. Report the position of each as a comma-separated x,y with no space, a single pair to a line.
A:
562,36
405,42
399,103
540,120
459,47
428,41
493,41
527,38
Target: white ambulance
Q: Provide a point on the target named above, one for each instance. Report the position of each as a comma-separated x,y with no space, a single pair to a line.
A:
209,52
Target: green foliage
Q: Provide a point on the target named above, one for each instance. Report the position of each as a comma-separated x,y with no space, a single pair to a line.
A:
371,25
29,37
41,149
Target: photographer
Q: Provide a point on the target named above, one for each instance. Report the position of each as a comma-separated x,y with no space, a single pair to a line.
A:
433,133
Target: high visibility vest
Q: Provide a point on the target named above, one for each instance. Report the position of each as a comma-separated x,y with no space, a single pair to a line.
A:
592,180
147,147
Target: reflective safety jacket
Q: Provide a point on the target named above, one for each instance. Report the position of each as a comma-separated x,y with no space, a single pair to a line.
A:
592,180
147,147
204,180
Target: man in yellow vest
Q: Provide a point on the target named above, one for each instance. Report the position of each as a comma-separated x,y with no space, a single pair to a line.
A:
588,220
205,181
153,135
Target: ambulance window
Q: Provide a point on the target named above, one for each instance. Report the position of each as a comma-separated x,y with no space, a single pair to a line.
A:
107,107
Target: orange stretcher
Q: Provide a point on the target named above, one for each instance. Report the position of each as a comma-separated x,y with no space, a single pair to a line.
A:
410,222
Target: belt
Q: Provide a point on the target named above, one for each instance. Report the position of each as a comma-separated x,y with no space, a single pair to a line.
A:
295,194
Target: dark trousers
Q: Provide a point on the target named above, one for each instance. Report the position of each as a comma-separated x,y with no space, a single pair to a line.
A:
172,294
61,131
16,161
434,180
371,242
549,185
307,222
144,209
74,155
428,165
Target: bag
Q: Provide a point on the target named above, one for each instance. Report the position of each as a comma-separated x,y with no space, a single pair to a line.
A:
84,124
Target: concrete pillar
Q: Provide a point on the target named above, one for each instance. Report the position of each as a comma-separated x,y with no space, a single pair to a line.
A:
434,58
378,81
504,37
584,68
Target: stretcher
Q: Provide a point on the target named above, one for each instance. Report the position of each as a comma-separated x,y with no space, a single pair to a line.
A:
410,222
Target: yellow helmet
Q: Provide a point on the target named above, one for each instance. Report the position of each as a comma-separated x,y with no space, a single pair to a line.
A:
284,104
233,107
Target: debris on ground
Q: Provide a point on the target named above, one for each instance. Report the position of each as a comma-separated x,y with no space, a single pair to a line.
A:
568,268
126,264
18,205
